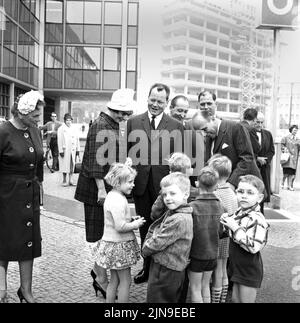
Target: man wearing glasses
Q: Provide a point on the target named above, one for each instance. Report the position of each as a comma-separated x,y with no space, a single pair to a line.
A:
51,128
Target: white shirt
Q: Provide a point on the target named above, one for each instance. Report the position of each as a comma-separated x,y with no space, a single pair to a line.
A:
259,136
157,119
218,121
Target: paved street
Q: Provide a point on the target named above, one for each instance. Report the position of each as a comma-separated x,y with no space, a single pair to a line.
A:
62,274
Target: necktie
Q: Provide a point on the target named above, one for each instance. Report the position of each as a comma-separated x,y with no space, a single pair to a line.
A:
152,123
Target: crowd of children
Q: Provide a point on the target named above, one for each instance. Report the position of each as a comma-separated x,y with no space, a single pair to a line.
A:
194,233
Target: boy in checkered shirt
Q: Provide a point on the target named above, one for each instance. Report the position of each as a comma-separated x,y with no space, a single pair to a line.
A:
248,231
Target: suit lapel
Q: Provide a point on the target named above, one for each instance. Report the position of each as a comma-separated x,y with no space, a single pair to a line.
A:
218,141
146,124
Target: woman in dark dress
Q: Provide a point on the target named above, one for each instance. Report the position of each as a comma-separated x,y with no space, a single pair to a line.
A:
21,173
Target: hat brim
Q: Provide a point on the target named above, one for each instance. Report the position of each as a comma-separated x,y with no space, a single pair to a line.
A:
126,108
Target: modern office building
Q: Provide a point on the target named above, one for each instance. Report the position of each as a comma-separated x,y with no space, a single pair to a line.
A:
71,50
215,45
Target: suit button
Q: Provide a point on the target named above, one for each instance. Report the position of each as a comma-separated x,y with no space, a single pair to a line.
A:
28,205
31,149
26,135
31,165
29,224
28,184
29,244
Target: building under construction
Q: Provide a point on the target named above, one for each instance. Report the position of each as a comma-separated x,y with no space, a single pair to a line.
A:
210,46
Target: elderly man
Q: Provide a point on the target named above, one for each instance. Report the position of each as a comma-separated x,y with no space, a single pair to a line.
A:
230,139
179,107
150,131
265,155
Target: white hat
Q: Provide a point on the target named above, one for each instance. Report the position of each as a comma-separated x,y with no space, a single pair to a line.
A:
122,100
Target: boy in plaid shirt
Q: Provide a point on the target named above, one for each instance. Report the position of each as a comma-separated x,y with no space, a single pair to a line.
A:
248,231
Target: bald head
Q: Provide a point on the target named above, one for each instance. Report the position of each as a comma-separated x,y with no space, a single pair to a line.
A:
200,120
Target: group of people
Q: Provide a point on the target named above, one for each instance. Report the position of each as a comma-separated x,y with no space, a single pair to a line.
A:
64,144
182,215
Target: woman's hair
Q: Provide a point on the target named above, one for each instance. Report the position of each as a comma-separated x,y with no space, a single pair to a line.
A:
208,178
221,164
254,181
292,128
179,162
14,109
118,174
177,179
67,116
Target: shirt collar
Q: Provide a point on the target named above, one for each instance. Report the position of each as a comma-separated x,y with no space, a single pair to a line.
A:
157,119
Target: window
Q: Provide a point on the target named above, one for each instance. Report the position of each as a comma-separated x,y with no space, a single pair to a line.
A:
235,59
196,49
113,23
224,56
210,79
233,108
9,62
112,66
222,107
224,30
211,26
222,94
235,71
222,81
92,13
53,56
224,43
211,39
131,68
113,35
179,61
211,52
195,63
54,19
75,12
234,83
196,35
210,66
223,69
10,36
234,96
11,8
196,21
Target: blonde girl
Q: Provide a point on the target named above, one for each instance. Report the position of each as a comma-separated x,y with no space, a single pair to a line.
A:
118,248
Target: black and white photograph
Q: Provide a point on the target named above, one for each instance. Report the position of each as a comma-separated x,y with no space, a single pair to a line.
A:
149,154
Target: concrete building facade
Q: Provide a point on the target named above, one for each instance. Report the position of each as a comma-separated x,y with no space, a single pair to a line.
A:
206,46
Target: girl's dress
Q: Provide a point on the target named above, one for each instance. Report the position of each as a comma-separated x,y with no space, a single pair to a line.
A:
118,249
246,266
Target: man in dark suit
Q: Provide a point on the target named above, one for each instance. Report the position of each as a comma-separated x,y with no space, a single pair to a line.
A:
179,107
265,155
249,119
149,144
231,139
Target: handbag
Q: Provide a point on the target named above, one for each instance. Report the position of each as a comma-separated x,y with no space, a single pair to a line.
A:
77,168
78,164
284,158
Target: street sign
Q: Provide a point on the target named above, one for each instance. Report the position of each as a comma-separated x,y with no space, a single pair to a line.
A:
279,14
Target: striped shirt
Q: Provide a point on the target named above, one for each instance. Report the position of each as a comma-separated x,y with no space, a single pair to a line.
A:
227,197
252,231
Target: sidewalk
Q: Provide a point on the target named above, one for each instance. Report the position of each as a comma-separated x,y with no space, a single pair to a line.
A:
62,274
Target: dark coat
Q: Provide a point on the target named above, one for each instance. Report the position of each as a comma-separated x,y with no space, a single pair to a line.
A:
207,210
253,138
267,150
21,171
234,142
95,165
153,147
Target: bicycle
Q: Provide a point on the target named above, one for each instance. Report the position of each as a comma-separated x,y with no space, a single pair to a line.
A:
48,159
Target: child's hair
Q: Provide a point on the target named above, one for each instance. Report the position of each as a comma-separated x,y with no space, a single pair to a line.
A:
179,162
178,179
208,178
221,164
254,181
118,174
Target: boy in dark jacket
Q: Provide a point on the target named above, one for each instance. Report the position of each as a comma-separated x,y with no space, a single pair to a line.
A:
168,242
207,210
